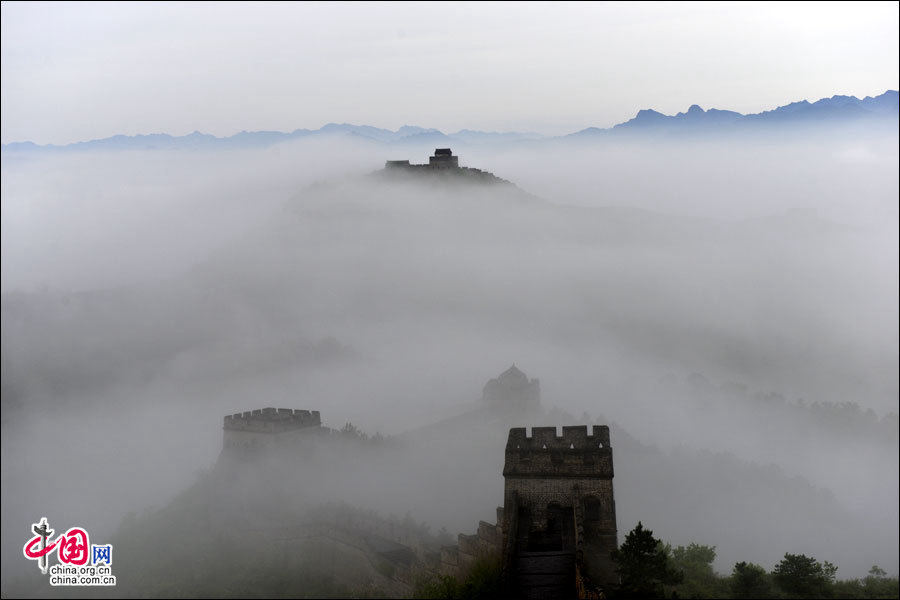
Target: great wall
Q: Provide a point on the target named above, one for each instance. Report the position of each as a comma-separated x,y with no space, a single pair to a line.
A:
444,165
553,536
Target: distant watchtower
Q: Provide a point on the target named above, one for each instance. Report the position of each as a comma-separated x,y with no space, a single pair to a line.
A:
443,159
267,428
559,513
512,391
443,166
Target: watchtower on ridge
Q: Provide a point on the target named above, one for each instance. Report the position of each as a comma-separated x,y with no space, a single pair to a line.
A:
512,392
443,159
444,165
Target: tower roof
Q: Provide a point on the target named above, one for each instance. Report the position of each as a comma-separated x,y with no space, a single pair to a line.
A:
513,373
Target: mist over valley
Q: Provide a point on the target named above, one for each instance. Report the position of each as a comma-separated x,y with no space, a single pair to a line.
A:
727,306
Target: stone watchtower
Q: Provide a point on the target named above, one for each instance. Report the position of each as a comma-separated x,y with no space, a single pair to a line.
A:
267,429
559,514
443,164
443,159
512,391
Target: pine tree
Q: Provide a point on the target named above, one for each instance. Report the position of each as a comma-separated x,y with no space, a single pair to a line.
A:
643,566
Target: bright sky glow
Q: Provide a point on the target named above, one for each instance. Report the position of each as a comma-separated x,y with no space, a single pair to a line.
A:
76,71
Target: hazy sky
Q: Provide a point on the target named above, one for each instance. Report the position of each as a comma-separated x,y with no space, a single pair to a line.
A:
81,71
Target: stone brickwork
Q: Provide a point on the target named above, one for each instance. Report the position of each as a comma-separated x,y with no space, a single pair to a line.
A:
559,508
267,428
539,494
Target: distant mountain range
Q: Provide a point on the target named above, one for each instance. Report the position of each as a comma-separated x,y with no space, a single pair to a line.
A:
834,110
837,109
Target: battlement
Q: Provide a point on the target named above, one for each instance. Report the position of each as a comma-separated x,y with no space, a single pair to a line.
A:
575,453
272,420
573,437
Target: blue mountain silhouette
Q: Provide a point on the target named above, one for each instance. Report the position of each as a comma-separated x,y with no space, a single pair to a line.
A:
835,110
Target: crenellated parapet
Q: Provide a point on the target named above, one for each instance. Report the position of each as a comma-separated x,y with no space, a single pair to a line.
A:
264,429
544,454
272,420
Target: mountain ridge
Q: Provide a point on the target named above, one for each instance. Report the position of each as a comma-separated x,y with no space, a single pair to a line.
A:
837,108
